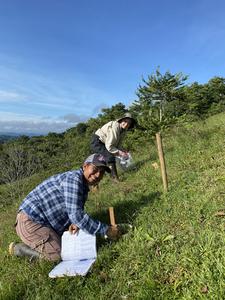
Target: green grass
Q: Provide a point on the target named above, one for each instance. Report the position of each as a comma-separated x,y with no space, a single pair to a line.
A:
176,250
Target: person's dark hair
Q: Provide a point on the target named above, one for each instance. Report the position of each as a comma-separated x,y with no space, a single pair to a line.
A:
128,116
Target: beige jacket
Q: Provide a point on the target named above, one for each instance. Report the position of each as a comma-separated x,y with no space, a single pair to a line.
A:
111,135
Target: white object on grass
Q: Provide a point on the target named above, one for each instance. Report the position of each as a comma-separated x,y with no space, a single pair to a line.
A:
125,162
78,253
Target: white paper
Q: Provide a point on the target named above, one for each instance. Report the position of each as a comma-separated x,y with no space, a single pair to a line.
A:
78,253
78,246
72,268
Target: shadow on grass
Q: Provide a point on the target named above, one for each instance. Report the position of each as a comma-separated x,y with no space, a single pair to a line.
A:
135,167
126,211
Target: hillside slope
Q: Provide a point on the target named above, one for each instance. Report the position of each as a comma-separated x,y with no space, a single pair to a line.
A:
176,248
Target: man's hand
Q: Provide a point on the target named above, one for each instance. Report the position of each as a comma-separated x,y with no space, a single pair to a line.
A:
73,229
113,233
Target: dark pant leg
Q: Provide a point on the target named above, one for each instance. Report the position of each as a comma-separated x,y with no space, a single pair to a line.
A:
98,147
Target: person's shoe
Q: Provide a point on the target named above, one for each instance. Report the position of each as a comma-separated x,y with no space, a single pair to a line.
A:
11,248
22,250
116,179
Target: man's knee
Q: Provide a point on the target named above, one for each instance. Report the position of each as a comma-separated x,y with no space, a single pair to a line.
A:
51,249
55,256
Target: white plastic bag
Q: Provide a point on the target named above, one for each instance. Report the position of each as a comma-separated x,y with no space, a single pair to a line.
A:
125,163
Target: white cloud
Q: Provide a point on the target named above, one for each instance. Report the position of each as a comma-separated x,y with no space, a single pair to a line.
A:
97,109
73,118
10,117
40,102
29,127
6,96
63,93
26,124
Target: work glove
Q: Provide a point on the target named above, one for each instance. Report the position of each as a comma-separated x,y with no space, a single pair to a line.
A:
113,233
73,229
123,154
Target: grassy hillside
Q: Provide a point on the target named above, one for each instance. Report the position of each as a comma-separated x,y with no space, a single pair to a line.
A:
176,250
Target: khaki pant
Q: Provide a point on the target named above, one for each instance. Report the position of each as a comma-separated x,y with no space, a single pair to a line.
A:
38,237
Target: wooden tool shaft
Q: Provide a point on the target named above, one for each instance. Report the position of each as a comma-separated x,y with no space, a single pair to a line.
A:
112,216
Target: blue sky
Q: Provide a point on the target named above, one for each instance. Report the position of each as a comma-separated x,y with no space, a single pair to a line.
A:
61,62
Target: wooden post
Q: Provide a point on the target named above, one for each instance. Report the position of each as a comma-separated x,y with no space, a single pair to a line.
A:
112,216
162,161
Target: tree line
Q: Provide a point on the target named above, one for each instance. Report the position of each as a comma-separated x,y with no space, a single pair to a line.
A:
163,100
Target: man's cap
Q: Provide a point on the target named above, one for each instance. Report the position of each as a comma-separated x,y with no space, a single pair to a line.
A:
128,115
98,160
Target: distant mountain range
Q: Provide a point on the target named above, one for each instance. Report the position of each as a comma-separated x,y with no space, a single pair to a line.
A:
6,136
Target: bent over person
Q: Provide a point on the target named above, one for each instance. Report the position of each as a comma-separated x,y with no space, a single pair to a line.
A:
55,205
107,140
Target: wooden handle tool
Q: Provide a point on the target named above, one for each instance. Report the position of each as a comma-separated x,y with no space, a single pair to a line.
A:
112,216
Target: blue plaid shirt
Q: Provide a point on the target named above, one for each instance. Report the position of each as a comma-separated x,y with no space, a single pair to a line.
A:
59,201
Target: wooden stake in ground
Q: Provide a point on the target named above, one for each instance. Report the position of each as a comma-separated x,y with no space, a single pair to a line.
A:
162,161
112,216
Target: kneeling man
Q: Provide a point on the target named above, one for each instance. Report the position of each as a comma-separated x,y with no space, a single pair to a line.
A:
56,205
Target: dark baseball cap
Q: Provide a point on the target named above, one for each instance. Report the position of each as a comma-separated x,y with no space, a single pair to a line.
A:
98,160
